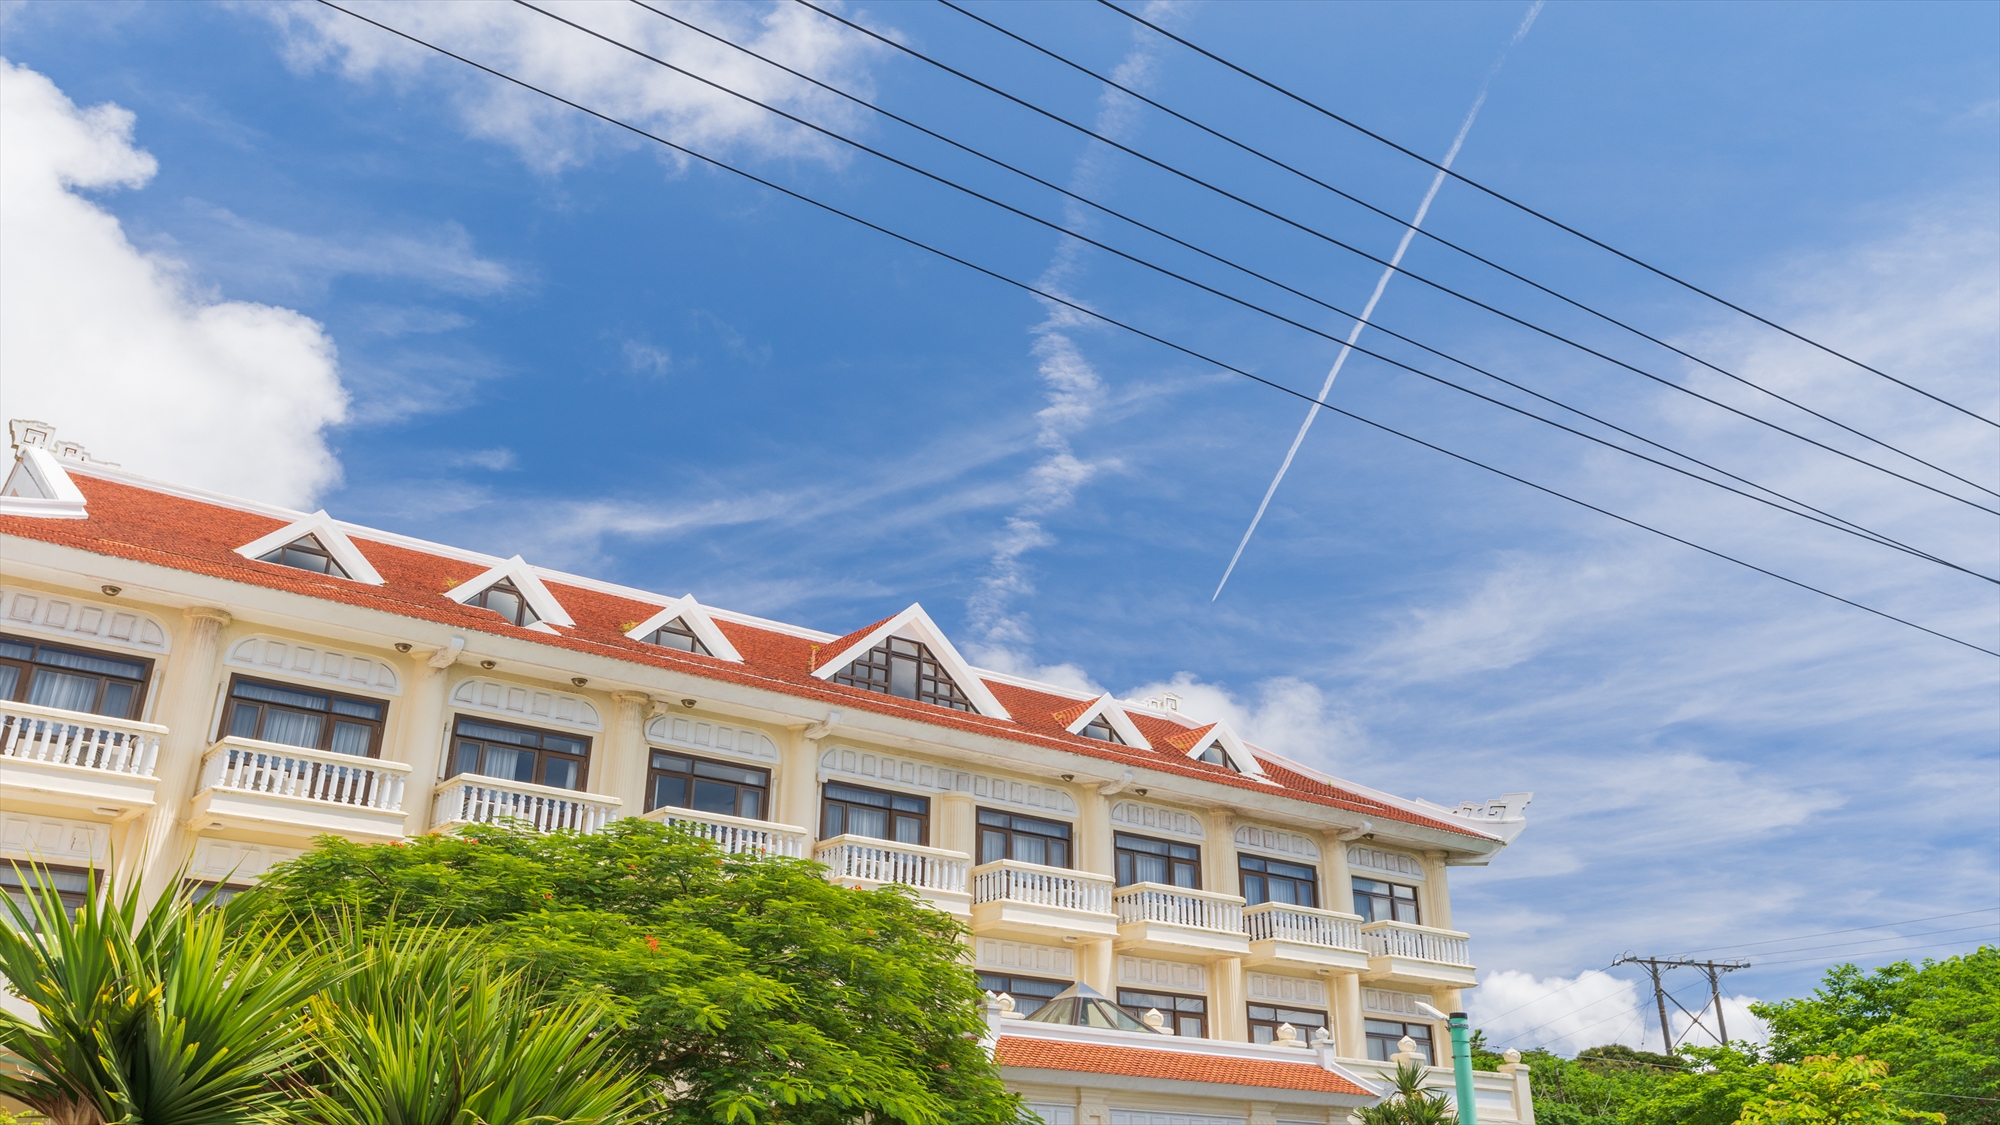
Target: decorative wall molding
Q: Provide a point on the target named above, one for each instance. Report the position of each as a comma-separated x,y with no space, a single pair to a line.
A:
1153,818
1301,991
82,619
1156,1117
227,861
1051,1113
325,666
1276,841
1389,863
880,769
49,839
1174,976
1026,958
1394,1003
528,704
678,730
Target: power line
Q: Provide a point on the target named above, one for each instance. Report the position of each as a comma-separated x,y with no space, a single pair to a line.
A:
1469,182
1322,235
1876,941
1849,930
1447,243
1868,954
1851,527
1142,333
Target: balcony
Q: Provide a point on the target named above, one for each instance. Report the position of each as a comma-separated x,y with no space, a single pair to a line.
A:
1163,919
1305,937
1030,901
472,799
294,793
862,861
1410,954
76,761
734,834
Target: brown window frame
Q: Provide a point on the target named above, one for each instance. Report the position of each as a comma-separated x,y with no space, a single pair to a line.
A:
1174,861
892,811
543,754
1415,900
1280,1014
377,727
315,550
1004,825
1025,1003
27,668
1177,1018
694,777
1245,873
524,614
14,886
1377,1038
683,633
928,682
1100,723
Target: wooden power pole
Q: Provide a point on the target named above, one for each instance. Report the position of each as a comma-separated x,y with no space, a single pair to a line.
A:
1714,969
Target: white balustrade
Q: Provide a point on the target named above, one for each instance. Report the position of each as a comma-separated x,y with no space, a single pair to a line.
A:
1009,881
472,799
883,861
244,765
1417,943
70,738
734,834
1304,925
1179,906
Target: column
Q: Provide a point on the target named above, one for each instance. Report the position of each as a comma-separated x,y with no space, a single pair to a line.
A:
1231,1017
621,770
1094,852
1339,893
954,824
425,731
1219,872
188,703
1263,1113
1348,1036
797,800
1438,891
1097,966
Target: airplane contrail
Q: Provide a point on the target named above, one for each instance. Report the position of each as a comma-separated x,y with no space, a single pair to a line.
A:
1381,283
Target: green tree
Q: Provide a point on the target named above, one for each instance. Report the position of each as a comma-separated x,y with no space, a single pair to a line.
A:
1830,1090
752,988
1410,1103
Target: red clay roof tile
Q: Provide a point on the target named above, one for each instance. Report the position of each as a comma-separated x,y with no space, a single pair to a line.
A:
1169,1064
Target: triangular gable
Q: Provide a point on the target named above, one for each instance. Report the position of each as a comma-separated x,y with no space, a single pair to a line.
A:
916,625
38,486
691,614
1196,742
320,526
524,578
1114,716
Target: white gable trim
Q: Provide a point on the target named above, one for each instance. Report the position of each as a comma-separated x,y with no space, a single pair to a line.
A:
320,526
525,580
1115,715
39,487
916,625
696,616
1233,748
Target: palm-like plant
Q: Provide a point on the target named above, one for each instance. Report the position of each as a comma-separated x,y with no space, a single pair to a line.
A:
1410,1103
161,1017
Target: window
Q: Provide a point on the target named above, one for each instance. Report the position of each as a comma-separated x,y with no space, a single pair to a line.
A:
1024,838
1029,993
1385,902
676,634
306,553
71,884
1144,860
1383,1035
1186,1016
677,781
1215,755
71,679
1269,880
845,810
518,754
1100,728
905,669
221,892
1265,1020
315,720
505,599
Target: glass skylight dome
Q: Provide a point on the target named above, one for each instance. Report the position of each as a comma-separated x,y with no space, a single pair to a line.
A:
1083,1006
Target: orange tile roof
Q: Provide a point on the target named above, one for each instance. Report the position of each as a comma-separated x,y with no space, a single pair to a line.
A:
1170,1065
130,521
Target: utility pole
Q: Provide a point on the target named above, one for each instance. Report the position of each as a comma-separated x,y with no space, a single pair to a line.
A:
1714,969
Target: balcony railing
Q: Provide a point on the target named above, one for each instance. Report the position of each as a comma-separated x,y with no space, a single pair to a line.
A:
1035,885
1304,925
470,799
244,765
68,738
865,859
734,834
1417,943
1179,906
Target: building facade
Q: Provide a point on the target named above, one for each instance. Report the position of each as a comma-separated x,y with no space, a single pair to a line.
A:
187,678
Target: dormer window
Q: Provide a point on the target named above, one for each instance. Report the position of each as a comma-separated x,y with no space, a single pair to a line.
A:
1215,755
906,669
504,598
306,553
676,634
1100,728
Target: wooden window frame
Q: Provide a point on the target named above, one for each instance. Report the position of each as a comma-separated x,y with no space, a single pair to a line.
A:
378,727
1100,723
828,799
1415,900
27,668
693,773
1375,1037
1283,1015
1245,873
523,617
875,670
694,642
1009,830
276,557
543,754
17,875
1177,1018
1009,982
1174,861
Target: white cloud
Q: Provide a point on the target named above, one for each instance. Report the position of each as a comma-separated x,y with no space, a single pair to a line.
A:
1284,714
118,348
565,61
250,255
1594,1008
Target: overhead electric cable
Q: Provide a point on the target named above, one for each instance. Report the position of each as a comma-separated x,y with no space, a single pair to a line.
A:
1868,954
1322,235
1140,332
1511,202
1857,942
1447,243
1849,930
1850,528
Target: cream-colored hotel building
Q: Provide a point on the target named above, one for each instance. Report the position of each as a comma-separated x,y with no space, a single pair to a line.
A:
1177,927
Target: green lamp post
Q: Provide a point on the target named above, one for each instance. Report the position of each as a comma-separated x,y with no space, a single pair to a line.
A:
1461,1059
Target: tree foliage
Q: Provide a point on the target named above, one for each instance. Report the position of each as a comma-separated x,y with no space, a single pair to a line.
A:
752,988
1410,1103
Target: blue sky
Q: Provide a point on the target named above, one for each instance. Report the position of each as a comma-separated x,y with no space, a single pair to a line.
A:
357,277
